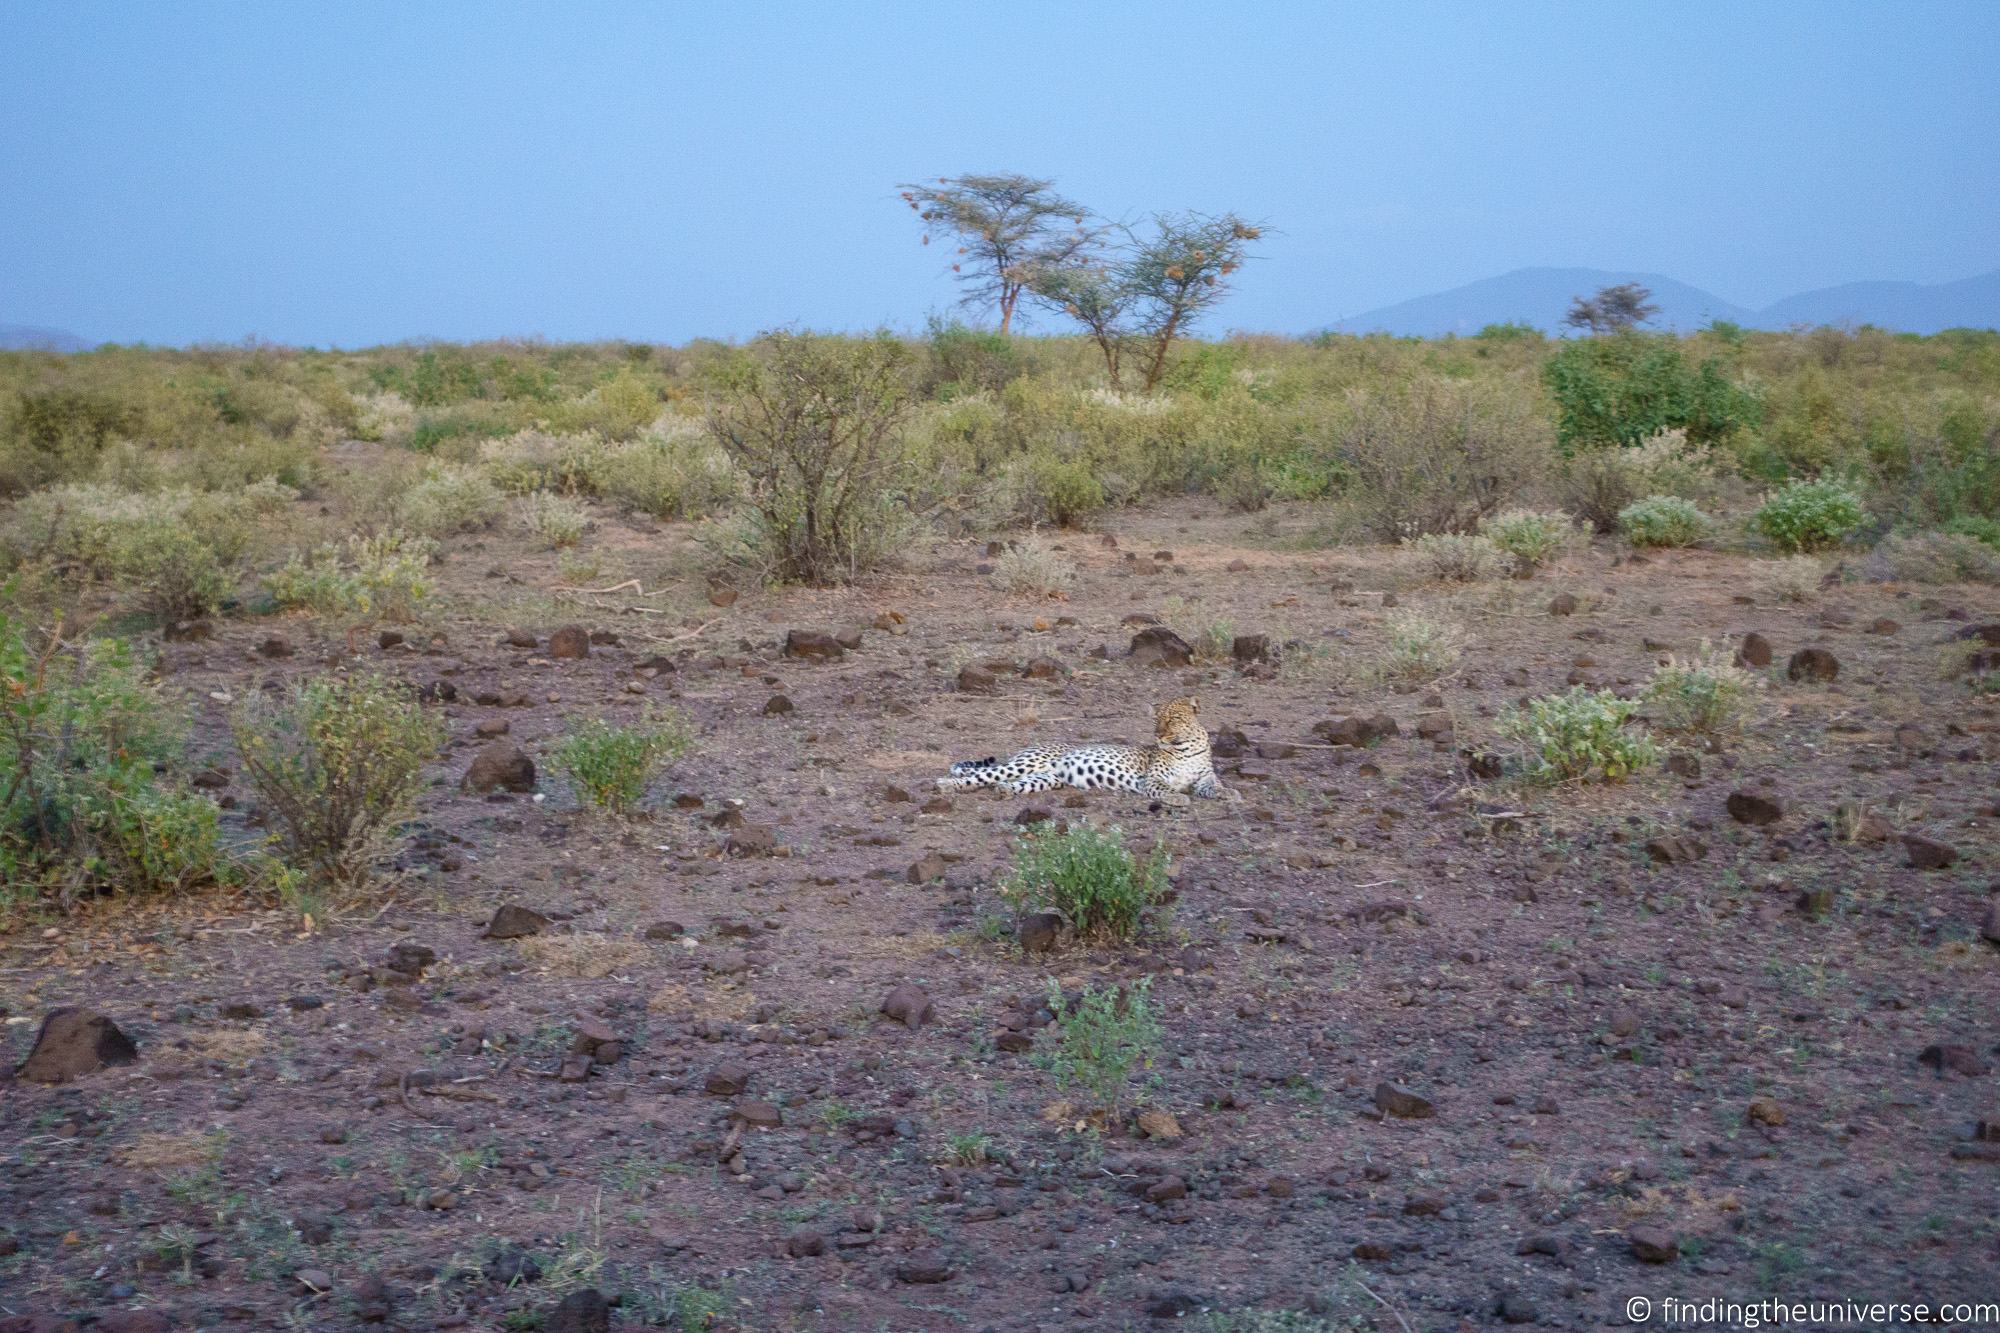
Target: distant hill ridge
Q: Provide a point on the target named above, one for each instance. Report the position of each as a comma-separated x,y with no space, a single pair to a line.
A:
1541,297
28,338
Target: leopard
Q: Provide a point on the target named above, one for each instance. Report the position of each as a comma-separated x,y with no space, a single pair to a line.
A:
1179,764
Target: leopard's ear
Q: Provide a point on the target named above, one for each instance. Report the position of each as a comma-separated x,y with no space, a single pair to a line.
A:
1194,704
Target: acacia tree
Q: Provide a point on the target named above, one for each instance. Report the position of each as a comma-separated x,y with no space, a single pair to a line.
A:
1150,289
1613,309
1009,228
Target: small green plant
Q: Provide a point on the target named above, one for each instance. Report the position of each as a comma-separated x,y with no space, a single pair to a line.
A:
382,577
558,521
87,802
612,766
1706,695
1810,515
1578,736
1976,526
1663,520
336,764
1418,647
969,1149
1086,875
1100,1038
1455,557
1532,537
1033,568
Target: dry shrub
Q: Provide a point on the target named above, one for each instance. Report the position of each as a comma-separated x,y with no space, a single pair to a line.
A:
1440,455
1033,568
1795,578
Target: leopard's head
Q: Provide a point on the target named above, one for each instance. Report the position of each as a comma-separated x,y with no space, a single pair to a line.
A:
1178,719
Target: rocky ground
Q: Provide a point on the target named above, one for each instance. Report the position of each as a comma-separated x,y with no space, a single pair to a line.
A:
1435,1057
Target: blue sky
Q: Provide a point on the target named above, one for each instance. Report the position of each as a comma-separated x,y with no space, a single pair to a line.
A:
349,173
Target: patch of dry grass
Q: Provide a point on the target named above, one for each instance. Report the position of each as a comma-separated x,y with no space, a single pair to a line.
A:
588,955
155,1151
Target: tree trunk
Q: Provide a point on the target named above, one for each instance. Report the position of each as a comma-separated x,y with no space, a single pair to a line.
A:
1159,364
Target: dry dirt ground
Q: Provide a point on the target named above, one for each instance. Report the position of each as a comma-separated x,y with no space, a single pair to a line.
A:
1645,1076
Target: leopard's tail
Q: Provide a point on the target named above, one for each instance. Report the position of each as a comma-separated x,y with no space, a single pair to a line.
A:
966,768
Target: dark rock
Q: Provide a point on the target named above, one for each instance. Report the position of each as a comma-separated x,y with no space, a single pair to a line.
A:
1038,932
1514,1308
1248,648
908,1005
813,646
501,766
977,680
1815,665
849,639
1928,853
511,1265
777,705
930,866
752,840
410,959
1754,808
805,1243
584,1311
757,1115
74,1042
1156,645
727,1079
925,1268
1675,849
513,922
570,643
1955,1058
1653,1245
1401,1102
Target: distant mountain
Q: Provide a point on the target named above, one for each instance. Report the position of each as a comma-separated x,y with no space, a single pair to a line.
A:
27,338
1542,296
1970,303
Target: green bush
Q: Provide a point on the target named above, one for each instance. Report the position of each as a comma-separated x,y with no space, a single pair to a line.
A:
1810,515
1706,695
1620,389
1059,491
383,577
1099,1040
1985,530
336,764
1531,536
815,423
86,739
1418,647
558,521
613,766
1579,736
618,409
447,500
672,471
1086,875
1663,520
